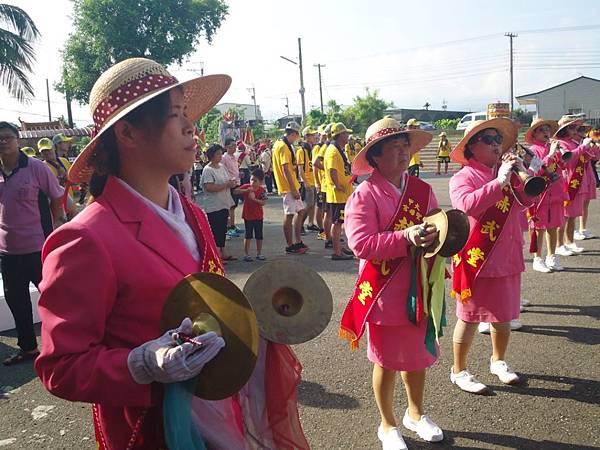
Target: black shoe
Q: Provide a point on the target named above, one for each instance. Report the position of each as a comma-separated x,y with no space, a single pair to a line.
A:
292,249
312,227
329,244
347,251
301,245
341,257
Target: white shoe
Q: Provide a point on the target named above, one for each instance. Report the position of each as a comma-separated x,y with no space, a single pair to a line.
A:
579,235
563,250
525,302
574,248
539,265
587,234
484,327
392,440
424,427
503,372
553,263
467,382
515,325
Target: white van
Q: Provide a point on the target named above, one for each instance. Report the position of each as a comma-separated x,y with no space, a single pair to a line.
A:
467,119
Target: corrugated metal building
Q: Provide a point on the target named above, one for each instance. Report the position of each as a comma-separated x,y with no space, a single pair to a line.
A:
578,96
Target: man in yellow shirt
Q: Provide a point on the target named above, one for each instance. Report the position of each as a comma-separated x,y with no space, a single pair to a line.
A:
415,162
307,176
339,186
285,172
321,215
60,168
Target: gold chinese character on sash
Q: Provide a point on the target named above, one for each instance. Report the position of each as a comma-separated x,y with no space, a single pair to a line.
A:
579,170
212,268
384,269
490,228
574,184
366,290
413,208
503,204
475,254
582,158
402,224
552,167
456,259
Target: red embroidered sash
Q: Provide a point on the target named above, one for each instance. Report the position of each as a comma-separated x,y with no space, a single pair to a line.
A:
211,262
484,235
576,178
376,274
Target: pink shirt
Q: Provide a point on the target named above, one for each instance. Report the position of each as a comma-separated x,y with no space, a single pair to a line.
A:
20,218
473,189
587,184
368,212
556,191
232,166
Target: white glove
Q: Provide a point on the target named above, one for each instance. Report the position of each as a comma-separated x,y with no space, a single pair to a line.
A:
418,235
164,360
504,173
536,164
554,148
587,141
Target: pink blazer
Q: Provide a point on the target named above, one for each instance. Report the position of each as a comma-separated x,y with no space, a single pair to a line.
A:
368,212
473,189
106,276
556,191
589,182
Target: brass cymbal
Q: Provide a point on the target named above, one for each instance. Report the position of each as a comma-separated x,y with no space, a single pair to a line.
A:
291,301
214,303
453,227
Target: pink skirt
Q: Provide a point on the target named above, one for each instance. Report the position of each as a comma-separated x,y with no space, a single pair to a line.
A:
575,207
493,300
550,215
399,347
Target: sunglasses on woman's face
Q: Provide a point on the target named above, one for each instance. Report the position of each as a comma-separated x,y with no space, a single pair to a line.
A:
543,129
489,139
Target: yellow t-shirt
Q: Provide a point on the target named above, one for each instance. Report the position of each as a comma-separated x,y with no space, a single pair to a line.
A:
283,155
307,166
415,160
444,150
319,152
63,173
334,160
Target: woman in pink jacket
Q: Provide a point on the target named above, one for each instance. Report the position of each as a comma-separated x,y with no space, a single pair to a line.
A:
583,132
487,272
382,217
547,215
108,273
577,184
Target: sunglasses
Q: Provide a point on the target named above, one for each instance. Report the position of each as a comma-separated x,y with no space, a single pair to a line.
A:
489,139
543,129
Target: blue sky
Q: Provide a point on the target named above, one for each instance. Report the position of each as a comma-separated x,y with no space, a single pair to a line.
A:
412,52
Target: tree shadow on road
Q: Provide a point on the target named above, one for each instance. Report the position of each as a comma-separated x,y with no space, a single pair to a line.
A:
589,311
579,389
582,269
315,395
494,441
581,335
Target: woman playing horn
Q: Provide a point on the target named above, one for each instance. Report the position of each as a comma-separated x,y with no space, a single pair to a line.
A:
107,274
487,272
547,215
382,224
577,182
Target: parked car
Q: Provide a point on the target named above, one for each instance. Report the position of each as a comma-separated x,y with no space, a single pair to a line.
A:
427,126
468,118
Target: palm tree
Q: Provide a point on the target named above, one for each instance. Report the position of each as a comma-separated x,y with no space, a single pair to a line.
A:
16,50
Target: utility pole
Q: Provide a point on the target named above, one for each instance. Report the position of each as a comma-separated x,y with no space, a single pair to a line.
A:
510,36
48,97
301,79
287,104
68,98
254,100
320,85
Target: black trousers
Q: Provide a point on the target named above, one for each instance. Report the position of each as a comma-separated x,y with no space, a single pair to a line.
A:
269,183
17,272
218,225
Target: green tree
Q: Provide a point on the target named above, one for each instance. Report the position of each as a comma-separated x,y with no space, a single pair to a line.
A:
16,50
446,124
520,115
365,111
210,124
108,31
334,112
314,118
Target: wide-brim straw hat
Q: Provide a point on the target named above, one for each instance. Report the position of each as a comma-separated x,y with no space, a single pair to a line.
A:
566,121
382,129
506,127
553,124
131,83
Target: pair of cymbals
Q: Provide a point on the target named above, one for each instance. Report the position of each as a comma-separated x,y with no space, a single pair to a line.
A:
453,231
287,301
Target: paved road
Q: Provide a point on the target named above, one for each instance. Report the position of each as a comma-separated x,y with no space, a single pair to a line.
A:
557,406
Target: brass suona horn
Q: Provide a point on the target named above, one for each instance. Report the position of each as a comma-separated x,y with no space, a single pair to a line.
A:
532,186
553,176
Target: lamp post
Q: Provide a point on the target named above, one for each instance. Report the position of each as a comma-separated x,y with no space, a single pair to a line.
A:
299,64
